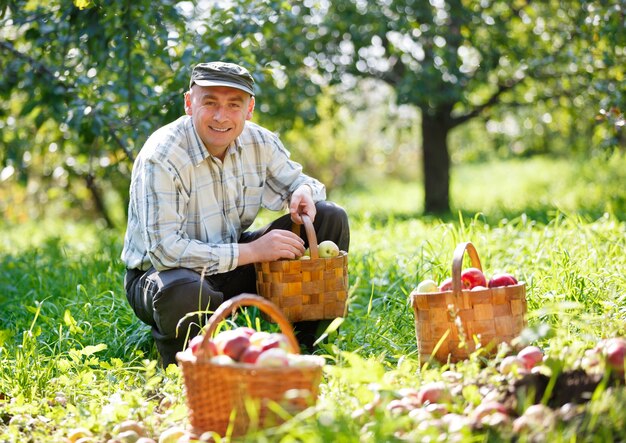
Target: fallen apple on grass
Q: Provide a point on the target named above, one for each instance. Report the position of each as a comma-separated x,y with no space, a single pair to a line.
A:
614,351
512,364
434,392
531,356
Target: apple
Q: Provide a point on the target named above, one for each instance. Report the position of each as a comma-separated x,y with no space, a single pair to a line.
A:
512,364
222,359
427,286
195,344
130,425
615,353
502,279
478,288
434,392
250,354
472,277
302,361
172,435
78,433
446,285
273,357
246,330
487,408
272,340
327,249
258,337
232,342
531,355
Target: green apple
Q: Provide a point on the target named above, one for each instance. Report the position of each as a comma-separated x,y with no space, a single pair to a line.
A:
172,435
327,249
427,286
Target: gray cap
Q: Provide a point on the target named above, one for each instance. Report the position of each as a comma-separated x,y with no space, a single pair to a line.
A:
222,74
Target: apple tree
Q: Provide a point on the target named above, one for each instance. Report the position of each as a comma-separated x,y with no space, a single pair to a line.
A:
456,60
85,82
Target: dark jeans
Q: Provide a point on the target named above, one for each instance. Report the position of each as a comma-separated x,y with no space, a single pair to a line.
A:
174,302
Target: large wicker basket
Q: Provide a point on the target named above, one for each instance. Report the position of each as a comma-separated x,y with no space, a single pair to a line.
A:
231,399
448,323
314,289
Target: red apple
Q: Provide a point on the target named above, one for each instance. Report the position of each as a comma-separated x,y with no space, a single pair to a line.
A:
471,277
277,340
268,340
531,355
247,330
250,354
273,357
195,343
446,285
512,364
615,353
487,408
502,279
435,392
232,343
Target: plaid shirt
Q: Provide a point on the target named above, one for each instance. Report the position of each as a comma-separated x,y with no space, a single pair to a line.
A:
188,209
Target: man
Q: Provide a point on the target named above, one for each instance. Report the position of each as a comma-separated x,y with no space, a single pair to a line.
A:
197,185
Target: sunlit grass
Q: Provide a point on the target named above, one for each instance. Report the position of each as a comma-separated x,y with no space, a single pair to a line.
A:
71,350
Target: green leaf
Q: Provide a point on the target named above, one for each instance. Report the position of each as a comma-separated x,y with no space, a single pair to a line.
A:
71,323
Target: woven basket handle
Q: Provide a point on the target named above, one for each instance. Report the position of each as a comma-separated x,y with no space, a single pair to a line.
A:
457,264
310,234
245,299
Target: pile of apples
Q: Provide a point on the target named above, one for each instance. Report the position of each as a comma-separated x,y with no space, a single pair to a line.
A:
472,279
246,345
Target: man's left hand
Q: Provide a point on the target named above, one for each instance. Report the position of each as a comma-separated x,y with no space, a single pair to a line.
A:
302,203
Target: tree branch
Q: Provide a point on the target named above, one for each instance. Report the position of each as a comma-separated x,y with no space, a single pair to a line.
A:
493,100
44,70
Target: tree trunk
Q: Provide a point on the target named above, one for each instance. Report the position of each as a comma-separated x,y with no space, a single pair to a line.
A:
436,162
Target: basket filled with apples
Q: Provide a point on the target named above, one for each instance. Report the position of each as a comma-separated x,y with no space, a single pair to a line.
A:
238,378
468,310
313,287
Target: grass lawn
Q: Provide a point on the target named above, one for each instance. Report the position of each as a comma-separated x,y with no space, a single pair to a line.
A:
74,359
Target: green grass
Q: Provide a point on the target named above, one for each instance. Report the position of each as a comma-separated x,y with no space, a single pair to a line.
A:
73,355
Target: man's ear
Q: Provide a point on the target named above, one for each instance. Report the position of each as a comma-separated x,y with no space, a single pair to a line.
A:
250,109
187,100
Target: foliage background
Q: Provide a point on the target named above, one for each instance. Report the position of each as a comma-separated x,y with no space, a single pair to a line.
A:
85,83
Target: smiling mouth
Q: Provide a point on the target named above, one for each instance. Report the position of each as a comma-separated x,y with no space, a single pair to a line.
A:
219,129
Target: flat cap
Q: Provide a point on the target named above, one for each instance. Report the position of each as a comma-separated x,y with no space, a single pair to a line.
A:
222,74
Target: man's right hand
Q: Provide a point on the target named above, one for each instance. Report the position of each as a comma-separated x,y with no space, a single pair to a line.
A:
273,245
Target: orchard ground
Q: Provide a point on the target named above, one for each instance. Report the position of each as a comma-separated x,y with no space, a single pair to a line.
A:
73,355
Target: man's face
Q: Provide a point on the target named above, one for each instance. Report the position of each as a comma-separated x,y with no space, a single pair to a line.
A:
219,114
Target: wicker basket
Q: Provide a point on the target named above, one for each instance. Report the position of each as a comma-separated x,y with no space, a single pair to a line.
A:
314,289
447,324
219,396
